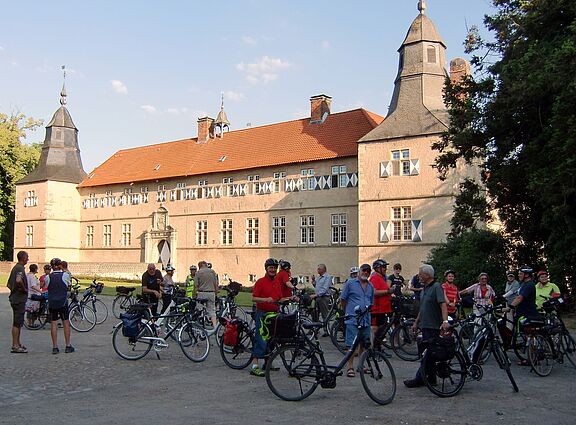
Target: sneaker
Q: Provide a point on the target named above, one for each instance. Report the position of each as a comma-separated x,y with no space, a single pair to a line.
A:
69,349
256,371
55,350
413,383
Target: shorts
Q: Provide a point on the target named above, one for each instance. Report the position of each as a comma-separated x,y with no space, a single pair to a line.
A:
352,331
18,317
379,319
59,313
210,307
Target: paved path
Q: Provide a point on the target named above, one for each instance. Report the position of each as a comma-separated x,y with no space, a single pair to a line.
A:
95,386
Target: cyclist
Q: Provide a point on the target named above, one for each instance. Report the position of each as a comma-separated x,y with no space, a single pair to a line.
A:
33,288
190,284
451,292
265,293
544,289
512,286
397,279
58,305
416,287
432,317
483,293
18,294
524,305
382,298
283,279
357,293
207,283
322,285
167,288
151,280
47,270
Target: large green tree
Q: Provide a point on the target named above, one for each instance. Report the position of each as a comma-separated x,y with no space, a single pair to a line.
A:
16,160
516,117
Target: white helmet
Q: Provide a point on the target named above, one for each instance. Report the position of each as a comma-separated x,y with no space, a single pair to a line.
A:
354,269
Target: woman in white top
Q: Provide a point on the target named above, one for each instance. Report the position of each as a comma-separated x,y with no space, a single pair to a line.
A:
483,293
33,288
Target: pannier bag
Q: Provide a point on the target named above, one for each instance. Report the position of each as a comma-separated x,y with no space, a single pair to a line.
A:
38,297
442,348
231,333
130,324
278,325
505,333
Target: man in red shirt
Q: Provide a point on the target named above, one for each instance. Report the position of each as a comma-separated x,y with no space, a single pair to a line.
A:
265,293
283,279
382,307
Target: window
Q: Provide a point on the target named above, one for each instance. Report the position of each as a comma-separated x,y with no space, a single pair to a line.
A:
107,235
431,50
226,231
144,189
89,235
277,179
303,280
202,232
228,182
278,230
339,176
401,164
161,187
255,180
252,278
202,182
307,177
402,223
128,190
31,200
126,234
307,229
252,230
29,235
181,185
339,222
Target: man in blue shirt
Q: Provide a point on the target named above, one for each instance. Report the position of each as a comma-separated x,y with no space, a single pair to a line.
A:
358,292
322,285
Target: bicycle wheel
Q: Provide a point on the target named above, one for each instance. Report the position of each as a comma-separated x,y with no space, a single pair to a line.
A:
238,356
298,372
568,347
101,311
446,378
377,376
405,343
132,348
120,304
194,342
33,320
540,355
82,318
503,361
338,335
520,345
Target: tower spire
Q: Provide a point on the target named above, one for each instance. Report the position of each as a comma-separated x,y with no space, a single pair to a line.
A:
422,6
221,121
63,91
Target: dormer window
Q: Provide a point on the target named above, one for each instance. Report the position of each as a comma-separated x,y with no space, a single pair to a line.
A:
157,167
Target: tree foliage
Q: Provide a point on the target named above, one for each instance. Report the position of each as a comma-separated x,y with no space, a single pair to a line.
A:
517,118
16,160
471,253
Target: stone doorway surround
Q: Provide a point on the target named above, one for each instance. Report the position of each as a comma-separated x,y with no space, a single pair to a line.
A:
160,231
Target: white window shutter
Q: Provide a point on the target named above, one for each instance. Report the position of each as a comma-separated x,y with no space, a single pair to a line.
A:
414,167
384,231
416,230
385,169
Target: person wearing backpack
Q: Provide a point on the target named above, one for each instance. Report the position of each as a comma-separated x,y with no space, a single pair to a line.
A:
58,305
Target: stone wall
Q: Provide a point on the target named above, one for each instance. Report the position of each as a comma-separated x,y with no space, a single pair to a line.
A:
132,271
5,267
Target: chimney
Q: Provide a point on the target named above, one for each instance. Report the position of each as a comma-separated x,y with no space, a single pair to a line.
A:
319,108
459,68
205,129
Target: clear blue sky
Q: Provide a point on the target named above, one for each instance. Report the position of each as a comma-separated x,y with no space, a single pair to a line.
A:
142,72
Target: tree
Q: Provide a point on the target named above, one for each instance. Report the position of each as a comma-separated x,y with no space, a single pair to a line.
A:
471,253
517,117
16,160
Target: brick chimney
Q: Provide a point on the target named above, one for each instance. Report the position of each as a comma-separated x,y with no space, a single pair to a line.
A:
459,68
319,108
205,129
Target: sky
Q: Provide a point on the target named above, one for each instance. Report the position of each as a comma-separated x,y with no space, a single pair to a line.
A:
143,72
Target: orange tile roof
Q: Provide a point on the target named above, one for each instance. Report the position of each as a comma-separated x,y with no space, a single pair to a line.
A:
269,145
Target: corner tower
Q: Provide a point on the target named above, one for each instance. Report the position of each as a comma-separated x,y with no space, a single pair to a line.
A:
47,222
404,209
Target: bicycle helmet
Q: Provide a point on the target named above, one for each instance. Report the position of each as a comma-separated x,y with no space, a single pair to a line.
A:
447,272
271,262
169,268
354,269
526,270
511,273
379,263
193,267
542,273
285,265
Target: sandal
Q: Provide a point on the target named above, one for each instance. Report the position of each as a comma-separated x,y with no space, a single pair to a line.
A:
350,373
19,350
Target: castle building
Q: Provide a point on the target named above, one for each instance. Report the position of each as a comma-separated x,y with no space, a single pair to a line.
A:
337,188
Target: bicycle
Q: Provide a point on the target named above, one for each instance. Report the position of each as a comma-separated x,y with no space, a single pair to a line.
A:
82,317
123,300
302,366
445,372
89,297
549,340
36,320
133,339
